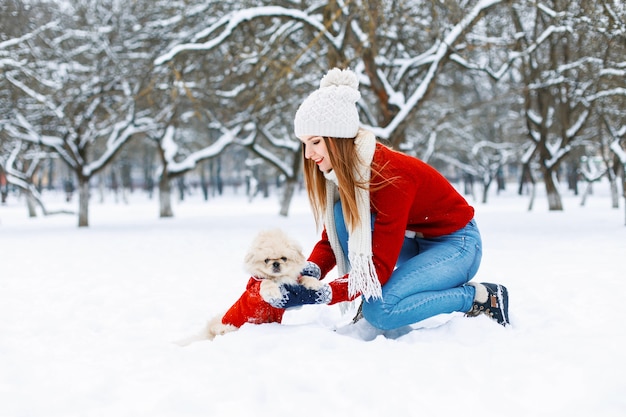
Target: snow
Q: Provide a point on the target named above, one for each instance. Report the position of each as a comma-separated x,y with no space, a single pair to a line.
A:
89,319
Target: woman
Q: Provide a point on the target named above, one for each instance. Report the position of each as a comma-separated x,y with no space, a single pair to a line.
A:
400,235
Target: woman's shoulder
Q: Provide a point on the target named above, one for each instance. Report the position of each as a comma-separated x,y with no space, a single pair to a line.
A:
392,167
384,155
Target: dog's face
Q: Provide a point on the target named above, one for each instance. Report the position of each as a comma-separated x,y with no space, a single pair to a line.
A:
273,255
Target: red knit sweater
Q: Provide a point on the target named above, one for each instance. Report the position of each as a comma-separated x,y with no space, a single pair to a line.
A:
419,199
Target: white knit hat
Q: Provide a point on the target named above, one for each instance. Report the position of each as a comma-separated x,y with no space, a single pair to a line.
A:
330,111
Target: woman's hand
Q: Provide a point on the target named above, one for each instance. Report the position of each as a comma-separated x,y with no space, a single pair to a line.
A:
313,292
311,270
299,295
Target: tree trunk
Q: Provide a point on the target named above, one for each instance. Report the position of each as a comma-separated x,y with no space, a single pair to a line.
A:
165,196
533,191
101,188
485,192
31,204
219,182
290,188
612,176
180,186
554,198
83,202
204,182
527,181
614,194
468,185
586,193
624,190
291,184
500,180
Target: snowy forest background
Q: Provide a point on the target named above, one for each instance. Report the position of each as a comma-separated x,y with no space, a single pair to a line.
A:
99,95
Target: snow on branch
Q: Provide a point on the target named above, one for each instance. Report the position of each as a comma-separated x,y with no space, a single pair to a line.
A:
229,136
558,152
272,157
613,72
456,163
122,131
200,9
606,93
529,153
8,62
16,41
579,63
619,151
35,95
289,143
422,59
169,145
496,75
506,146
615,146
439,53
548,11
29,134
590,171
504,68
232,20
534,117
578,124
21,179
16,177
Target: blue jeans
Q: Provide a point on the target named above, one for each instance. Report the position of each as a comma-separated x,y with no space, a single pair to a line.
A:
429,278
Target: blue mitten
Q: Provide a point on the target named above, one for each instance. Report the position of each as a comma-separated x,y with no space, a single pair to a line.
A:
298,295
312,270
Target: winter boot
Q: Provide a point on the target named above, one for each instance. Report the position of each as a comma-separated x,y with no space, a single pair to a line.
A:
492,300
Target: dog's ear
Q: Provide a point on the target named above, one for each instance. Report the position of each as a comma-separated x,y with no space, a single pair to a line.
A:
248,257
302,260
248,260
295,245
298,256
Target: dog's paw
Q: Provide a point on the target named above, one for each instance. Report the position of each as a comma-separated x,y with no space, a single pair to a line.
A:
270,291
311,283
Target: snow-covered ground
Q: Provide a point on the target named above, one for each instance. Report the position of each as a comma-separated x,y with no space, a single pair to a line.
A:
89,317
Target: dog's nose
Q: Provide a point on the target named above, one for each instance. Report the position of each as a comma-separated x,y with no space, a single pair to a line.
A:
276,264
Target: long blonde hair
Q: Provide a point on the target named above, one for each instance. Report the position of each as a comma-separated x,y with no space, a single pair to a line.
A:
344,159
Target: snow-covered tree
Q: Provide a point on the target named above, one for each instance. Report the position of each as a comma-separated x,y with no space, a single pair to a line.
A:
77,88
563,67
397,49
470,84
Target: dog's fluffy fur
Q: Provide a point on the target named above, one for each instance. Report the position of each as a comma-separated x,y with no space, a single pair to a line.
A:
275,259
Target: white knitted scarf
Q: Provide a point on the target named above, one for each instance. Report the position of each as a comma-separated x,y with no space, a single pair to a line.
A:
362,276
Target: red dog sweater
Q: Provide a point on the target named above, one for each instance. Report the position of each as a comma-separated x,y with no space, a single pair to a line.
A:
252,308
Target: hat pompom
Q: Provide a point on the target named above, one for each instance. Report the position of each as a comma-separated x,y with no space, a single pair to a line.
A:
337,77
331,110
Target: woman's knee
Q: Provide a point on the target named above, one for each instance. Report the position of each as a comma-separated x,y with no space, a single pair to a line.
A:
377,314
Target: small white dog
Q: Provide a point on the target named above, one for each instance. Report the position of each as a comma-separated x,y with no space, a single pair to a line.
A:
272,259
